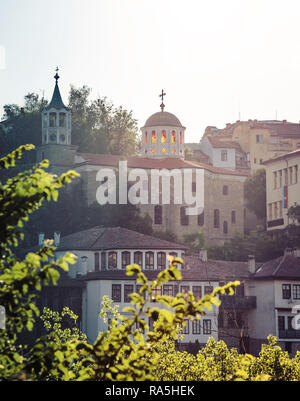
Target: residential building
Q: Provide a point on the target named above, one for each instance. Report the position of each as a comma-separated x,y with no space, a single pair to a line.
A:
282,189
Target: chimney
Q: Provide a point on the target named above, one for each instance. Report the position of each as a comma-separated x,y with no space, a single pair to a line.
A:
283,121
251,264
203,255
56,238
288,252
41,239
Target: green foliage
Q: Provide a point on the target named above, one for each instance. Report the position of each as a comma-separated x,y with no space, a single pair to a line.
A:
195,241
255,193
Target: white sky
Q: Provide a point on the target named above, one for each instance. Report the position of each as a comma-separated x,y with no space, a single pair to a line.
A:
214,58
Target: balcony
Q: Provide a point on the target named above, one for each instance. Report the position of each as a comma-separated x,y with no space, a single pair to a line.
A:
289,334
237,302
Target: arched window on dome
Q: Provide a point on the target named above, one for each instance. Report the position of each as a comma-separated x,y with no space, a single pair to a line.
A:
173,139
180,138
146,137
153,137
163,150
173,150
163,136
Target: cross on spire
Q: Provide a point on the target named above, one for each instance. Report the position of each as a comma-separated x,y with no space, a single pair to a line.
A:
56,77
162,99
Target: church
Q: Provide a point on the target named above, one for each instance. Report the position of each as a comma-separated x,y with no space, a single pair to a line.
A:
222,210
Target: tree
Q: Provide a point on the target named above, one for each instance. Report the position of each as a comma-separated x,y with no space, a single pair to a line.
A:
195,241
255,193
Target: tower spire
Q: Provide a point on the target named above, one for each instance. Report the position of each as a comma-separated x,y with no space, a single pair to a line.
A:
56,76
162,106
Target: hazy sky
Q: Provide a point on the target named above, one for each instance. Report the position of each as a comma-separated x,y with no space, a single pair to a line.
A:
215,59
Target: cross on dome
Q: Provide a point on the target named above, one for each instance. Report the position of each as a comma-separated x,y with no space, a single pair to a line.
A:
162,106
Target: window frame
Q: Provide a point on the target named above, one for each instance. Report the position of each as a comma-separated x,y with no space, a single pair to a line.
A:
116,292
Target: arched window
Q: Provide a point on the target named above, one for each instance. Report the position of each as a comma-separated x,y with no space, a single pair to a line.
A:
125,259
161,260
138,258
173,150
112,260
201,219
184,218
233,217
158,214
163,150
149,260
173,138
225,189
97,261
180,138
146,137
153,150
62,119
153,137
163,136
216,218
225,227
52,119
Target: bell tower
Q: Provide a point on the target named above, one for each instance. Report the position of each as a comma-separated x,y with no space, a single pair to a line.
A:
56,132
56,119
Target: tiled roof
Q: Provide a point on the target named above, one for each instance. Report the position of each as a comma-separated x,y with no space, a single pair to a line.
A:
98,238
218,143
285,267
295,152
280,128
163,118
148,163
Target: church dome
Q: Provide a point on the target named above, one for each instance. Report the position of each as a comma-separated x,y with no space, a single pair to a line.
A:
163,118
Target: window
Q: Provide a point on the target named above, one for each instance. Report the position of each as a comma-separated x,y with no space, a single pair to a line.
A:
270,211
224,155
197,292
168,290
173,139
184,218
62,119
103,261
275,210
281,323
97,261
286,291
193,187
208,289
216,218
196,327
280,178
174,254
225,189
116,292
149,260
153,137
259,138
225,227
156,291
138,258
158,214
112,260
128,289
163,136
161,260
291,175
254,160
280,208
296,174
180,138
146,137
52,119
206,326
186,327
125,259
184,288
296,291
233,217
275,179
201,219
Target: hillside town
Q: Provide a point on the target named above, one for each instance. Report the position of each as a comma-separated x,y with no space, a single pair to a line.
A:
212,175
